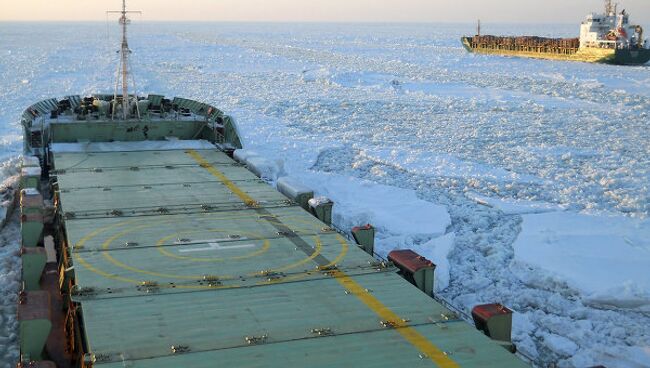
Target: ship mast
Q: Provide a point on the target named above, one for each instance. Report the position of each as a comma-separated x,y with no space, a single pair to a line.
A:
124,58
610,9
123,68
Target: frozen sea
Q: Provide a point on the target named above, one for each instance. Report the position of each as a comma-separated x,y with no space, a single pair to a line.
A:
526,181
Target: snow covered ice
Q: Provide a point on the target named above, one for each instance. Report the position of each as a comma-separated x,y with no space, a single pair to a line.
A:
525,181
9,280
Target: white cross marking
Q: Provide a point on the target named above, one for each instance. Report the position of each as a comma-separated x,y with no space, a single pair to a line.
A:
213,245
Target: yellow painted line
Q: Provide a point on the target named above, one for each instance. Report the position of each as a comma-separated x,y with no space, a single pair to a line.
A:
248,200
409,333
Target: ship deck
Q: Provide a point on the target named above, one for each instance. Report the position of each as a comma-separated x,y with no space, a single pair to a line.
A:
184,258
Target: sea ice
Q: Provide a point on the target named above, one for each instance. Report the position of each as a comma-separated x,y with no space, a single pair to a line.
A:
404,129
605,257
514,206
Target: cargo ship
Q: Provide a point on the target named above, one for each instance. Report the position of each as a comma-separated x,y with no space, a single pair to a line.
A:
148,241
607,37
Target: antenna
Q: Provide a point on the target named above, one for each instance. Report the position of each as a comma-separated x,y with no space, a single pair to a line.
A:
123,67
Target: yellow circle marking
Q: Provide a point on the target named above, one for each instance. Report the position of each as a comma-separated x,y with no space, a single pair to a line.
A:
82,242
317,250
344,251
114,261
108,242
93,234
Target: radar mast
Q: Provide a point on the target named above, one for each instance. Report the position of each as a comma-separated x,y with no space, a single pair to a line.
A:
610,9
122,75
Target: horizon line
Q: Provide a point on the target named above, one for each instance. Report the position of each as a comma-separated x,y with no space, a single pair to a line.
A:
288,21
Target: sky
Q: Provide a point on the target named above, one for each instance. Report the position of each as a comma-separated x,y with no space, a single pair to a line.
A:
522,11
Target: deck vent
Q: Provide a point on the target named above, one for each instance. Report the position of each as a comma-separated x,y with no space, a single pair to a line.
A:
295,191
365,237
321,207
414,268
495,320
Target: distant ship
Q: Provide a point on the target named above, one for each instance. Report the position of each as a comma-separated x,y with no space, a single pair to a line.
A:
604,38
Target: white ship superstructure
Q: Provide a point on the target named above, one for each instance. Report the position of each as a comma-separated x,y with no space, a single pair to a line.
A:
612,30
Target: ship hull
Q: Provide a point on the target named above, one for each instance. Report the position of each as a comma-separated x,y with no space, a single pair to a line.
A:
632,57
589,55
